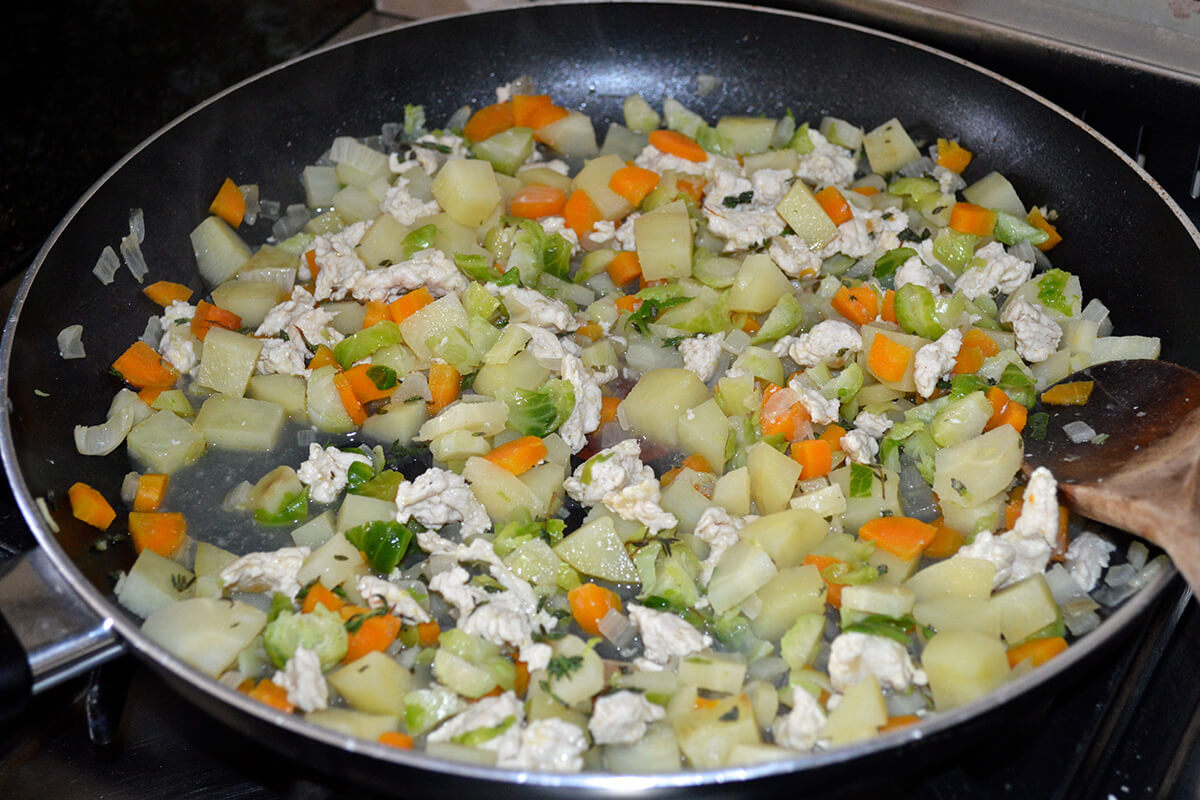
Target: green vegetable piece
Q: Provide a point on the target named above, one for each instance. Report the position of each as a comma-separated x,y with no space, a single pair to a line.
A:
850,574
862,478
785,317
1018,386
1052,291
382,487
355,348
383,377
889,262
880,625
280,603
649,310
420,239
954,249
801,142
358,474
320,631
916,311
846,384
1036,425
915,188
414,121
539,413
293,511
506,150
1011,229
383,543
963,385
733,630
476,267
480,735
561,666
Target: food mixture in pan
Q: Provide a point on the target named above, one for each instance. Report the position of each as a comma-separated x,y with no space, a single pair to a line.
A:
697,449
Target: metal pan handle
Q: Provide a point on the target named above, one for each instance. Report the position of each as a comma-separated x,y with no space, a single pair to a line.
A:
47,634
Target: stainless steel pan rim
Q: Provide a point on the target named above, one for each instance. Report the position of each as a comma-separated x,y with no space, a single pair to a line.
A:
128,630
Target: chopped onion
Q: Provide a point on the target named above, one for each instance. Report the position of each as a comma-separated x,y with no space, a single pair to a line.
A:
1082,623
1111,595
1096,311
129,488
1137,554
283,277
137,224
238,498
735,342
70,342
250,196
1068,594
270,209
414,384
918,167
152,335
1024,251
900,704
292,221
459,118
131,254
617,628
1120,575
306,436
1079,431
45,509
390,132
107,265
102,439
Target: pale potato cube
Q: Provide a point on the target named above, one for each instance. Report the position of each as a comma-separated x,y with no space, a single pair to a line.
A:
703,430
239,423
664,242
787,536
858,716
373,683
1024,608
227,361
655,404
963,666
467,190
773,477
960,576
792,592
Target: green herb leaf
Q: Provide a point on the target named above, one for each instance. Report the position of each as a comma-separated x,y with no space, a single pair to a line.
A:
1035,426
649,310
383,543
735,200
358,474
1018,386
562,666
383,377
880,625
862,478
889,262
356,622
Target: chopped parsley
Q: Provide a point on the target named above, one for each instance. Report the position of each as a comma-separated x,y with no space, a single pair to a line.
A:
735,200
562,666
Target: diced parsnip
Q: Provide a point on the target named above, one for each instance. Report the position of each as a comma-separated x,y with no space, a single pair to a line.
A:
747,135
952,613
324,404
396,422
773,477
578,686
787,536
573,135
664,242
433,323
466,188
716,672
316,532
758,285
906,383
653,407
963,666
487,417
960,576
804,215
239,423
743,570
250,300
594,178
681,499
501,493
657,751
227,361
893,570
799,645
794,591
883,499
383,242
331,563
875,598
152,584
205,632
354,723
970,472
219,251
826,502
359,509
858,716
1024,608
732,491
289,392
889,147
373,683
986,516
708,735
703,430
994,191
164,443
545,481
596,549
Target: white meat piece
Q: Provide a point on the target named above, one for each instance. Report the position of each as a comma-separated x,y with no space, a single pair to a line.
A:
326,471
283,357
176,345
438,497
303,680
868,231
874,425
530,305
299,318
602,232
948,180
621,717
988,547
936,359
1025,550
666,636
640,503
550,745
430,268
273,571
488,712
401,204
1039,508
1002,273
914,271
1088,556
747,224
1037,334
720,529
822,410
824,341
378,592
701,354
454,587
827,164
792,255
499,621
855,656
610,470
625,235
656,160
585,414
859,446
545,346
338,262
800,728
430,158
536,655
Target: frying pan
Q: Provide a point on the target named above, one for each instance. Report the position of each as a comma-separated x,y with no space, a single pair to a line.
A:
1125,237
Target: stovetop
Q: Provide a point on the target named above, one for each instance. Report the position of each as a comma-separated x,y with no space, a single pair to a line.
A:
1126,729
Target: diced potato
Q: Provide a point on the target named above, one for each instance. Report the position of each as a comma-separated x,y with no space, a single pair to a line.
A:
758,285
986,516
973,471
596,549
435,321
655,404
681,499
791,593
290,392
955,613
800,643
889,147
657,751
994,191
239,423
324,404
858,716
219,251
359,509
664,242
716,672
396,422
573,135
743,570
205,632
826,502
545,481
708,735
703,430
250,300
577,687
316,532
487,417
787,536
354,723
227,361
544,176
153,583
500,492
466,188
773,477
373,683
804,215
355,204
593,179
876,598
963,666
1024,608
383,243
732,491
893,570
747,134
164,443
331,563
884,498
960,576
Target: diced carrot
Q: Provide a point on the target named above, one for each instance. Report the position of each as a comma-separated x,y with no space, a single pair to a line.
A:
318,595
166,292
1036,219
1038,651
322,358
519,455
535,201
970,218
888,312
677,144
865,191
151,488
229,204
1005,411
207,315
633,183
897,722
376,312
1059,553
396,739
977,338
624,267
789,423
89,506
833,435
488,121
968,360
834,205
408,304
698,463
946,541
148,396
141,367
669,476
544,116
692,187
348,611
608,409
589,603
888,359
833,592
445,383
904,537
521,678
272,694
580,213
310,257
350,401
525,108
628,302
952,155
859,305
363,387
815,457
1012,509
428,633
160,531
1075,393
374,635
591,330
704,703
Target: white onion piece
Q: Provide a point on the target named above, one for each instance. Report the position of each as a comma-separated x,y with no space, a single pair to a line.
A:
1023,250
1120,575
100,440
412,385
152,335
1081,624
250,196
107,265
49,518
917,167
137,224
707,84
459,118
238,498
617,628
283,277
900,704
291,223
131,254
1079,431
916,496
129,488
306,436
1137,554
1068,594
735,342
70,342
270,209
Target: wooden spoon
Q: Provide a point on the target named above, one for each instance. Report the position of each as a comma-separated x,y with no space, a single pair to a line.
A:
1144,478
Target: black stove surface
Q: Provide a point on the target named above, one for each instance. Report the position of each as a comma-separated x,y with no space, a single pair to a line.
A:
91,80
